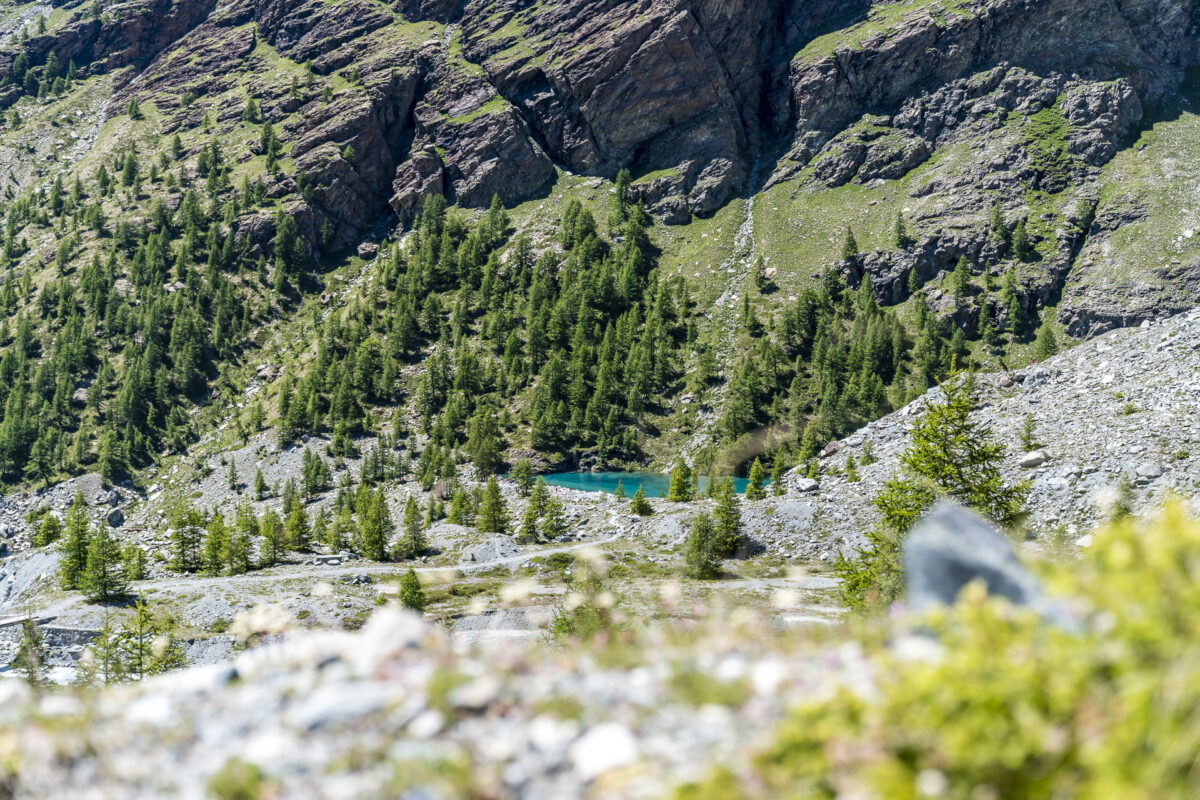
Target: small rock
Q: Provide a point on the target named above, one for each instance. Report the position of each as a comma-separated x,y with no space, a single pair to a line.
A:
807,485
1150,471
606,747
116,518
1034,459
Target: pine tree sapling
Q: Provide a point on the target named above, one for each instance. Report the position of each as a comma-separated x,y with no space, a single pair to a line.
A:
640,505
1046,343
411,594
754,489
1029,441
949,454
700,557
680,490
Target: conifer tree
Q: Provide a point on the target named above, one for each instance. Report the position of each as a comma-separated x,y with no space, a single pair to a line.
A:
619,492
104,574
754,489
640,505
680,490
1021,243
528,532
998,228
375,527
779,469
484,442
30,661
48,532
493,512
414,542
75,544
960,279
554,520
1029,441
900,232
540,496
274,540
260,485
145,647
949,454
852,475
411,594
727,517
522,473
850,249
299,536
134,558
186,538
1046,343
461,510
700,557
216,543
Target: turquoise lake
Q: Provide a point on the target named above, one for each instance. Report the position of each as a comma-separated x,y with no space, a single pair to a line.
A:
652,483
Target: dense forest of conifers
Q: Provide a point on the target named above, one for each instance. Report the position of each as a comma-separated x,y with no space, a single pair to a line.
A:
577,346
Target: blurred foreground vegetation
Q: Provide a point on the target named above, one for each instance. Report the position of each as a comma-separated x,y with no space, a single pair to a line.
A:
1000,704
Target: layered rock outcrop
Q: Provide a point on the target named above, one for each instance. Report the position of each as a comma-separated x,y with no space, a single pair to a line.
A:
473,99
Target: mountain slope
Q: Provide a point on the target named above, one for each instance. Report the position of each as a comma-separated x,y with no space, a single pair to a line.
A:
187,181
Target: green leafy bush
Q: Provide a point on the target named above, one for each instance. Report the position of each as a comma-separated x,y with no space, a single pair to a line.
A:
1011,707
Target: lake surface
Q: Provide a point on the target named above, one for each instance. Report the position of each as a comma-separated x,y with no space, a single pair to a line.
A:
652,483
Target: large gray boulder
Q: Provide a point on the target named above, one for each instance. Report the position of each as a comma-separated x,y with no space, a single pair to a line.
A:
952,547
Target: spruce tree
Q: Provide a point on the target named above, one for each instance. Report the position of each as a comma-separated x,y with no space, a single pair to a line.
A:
30,661
48,532
680,490
850,249
619,492
299,536
104,574
754,489
186,539
1029,441
700,557
640,505
522,473
216,543
493,512
852,475
960,279
411,594
900,232
134,558
375,527
260,485
554,520
728,538
1022,246
528,532
75,544
1046,343
413,543
949,454
274,541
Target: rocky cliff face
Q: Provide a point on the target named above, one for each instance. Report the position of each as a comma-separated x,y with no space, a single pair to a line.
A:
479,99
